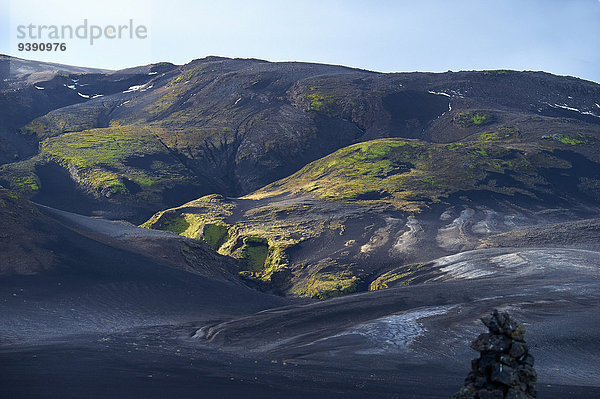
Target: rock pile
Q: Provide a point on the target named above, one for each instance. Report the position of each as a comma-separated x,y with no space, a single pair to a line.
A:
504,369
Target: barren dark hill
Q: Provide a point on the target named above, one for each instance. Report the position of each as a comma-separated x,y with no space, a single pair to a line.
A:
120,335
18,72
37,239
157,136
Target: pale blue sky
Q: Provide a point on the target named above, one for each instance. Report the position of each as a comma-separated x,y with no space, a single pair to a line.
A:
558,36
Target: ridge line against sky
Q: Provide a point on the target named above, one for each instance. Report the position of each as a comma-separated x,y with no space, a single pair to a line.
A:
557,36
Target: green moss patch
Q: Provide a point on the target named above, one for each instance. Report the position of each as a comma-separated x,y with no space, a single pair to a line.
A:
318,100
177,225
254,252
404,275
215,235
103,159
21,176
471,119
575,139
108,146
502,135
327,280
63,120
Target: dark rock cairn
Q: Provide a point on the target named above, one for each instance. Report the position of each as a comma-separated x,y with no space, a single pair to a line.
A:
504,369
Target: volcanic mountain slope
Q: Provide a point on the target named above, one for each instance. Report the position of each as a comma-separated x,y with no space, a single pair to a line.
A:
405,167
163,139
231,126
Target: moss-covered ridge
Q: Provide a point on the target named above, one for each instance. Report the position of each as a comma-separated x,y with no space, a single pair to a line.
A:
411,174
128,161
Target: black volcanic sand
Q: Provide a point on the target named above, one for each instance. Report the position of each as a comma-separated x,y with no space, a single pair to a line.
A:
156,363
108,323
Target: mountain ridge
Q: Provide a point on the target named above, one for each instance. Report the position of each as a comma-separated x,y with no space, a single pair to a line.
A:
231,126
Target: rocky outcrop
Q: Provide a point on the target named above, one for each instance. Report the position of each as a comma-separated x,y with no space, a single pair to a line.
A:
504,369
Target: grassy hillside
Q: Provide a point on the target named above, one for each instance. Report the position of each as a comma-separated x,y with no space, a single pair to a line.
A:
119,163
410,174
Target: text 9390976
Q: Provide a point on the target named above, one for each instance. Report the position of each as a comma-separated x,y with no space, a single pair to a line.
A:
42,46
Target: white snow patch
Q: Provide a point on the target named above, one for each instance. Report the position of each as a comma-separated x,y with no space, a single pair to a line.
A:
589,113
152,73
440,93
72,87
133,88
39,88
97,95
597,105
237,101
74,80
143,87
447,260
83,95
461,266
566,107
